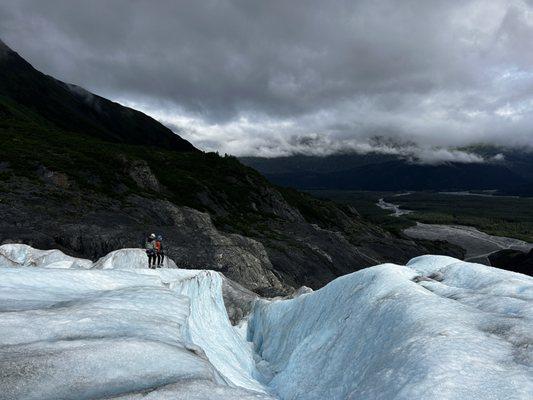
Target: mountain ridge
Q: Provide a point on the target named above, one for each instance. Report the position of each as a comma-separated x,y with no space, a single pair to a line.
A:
73,108
91,189
374,171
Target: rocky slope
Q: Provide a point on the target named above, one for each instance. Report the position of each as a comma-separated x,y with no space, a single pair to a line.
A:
72,108
88,176
520,261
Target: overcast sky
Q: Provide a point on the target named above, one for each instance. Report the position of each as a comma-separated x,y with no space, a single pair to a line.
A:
274,77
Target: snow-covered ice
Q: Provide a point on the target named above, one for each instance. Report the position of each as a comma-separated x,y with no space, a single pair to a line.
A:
437,328
128,259
21,255
91,334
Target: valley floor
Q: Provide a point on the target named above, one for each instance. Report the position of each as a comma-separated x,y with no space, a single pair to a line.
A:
478,245
507,216
481,224
435,328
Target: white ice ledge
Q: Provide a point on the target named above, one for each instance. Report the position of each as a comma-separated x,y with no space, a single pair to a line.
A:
436,328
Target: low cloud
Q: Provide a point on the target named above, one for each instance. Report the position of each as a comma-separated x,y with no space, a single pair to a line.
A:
435,156
316,145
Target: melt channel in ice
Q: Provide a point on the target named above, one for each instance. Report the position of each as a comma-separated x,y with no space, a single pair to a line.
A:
437,328
84,333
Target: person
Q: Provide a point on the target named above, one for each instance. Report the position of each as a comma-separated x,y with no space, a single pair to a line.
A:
150,250
159,251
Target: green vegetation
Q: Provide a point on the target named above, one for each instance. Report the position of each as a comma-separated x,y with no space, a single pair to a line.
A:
94,151
365,203
204,181
501,216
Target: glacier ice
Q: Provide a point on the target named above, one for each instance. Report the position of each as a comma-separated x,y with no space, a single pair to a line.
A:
437,328
393,332
87,334
23,255
128,259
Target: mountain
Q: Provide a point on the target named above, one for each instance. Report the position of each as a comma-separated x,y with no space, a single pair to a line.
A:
89,176
378,172
72,108
71,329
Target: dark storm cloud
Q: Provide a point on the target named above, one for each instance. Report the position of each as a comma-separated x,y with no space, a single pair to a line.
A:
275,77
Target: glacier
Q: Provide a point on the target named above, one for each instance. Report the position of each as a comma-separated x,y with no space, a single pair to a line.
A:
436,328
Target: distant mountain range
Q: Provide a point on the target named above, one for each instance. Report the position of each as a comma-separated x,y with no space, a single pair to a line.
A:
510,174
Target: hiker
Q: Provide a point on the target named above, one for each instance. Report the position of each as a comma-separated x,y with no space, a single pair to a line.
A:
150,250
159,251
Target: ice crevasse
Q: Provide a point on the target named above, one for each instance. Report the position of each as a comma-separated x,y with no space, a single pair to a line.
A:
437,328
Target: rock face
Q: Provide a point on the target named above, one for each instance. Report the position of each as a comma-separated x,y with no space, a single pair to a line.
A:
190,238
513,260
238,300
273,259
56,178
194,241
143,176
313,252
87,176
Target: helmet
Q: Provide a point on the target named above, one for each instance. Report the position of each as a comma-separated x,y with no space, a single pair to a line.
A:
152,236
159,237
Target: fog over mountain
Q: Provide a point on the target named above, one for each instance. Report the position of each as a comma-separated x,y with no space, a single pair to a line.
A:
276,78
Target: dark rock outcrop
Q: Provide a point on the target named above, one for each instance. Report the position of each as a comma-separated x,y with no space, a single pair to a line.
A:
513,260
274,256
103,225
89,176
238,300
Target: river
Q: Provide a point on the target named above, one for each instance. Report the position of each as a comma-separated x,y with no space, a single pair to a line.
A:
478,245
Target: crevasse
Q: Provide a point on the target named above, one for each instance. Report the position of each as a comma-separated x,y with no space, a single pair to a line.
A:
436,328
85,333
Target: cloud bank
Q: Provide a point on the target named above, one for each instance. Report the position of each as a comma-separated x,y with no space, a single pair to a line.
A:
273,78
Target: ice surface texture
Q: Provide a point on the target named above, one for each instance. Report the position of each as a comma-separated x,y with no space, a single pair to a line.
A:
127,259
437,328
21,255
129,332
